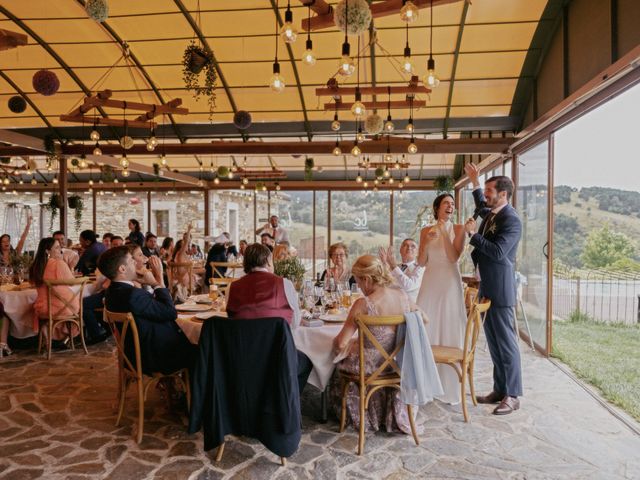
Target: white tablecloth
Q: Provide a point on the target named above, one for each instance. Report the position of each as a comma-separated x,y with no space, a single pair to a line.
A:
315,342
18,306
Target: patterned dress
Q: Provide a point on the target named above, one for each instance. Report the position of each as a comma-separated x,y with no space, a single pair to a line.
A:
385,408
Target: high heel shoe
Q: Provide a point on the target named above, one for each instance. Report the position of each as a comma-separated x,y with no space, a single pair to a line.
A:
5,351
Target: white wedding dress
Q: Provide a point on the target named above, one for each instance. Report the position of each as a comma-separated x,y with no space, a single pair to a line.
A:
441,297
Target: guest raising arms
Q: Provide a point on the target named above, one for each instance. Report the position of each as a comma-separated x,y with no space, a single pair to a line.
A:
7,251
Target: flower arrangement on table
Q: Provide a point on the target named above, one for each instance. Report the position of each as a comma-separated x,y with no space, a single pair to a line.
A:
291,268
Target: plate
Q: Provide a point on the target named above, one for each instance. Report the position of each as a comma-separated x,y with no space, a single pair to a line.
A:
335,318
198,317
204,299
192,307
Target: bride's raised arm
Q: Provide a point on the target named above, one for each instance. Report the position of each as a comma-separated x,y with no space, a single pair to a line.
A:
425,237
453,249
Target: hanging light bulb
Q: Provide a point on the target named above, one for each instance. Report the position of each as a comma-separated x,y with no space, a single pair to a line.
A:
397,166
391,181
308,57
264,187
346,66
355,151
358,109
410,126
407,63
34,181
386,173
387,156
431,80
201,183
163,160
245,181
388,125
359,178
337,150
288,32
241,186
124,161
277,83
150,146
90,181
216,181
28,171
365,184
55,180
335,125
412,148
94,135
408,12
125,173
152,139
83,161
97,150
230,176
277,187
126,142
406,178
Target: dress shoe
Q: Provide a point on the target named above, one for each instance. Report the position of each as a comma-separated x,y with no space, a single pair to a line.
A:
507,405
493,397
101,337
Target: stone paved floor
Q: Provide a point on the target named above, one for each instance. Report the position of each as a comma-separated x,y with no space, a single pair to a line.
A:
57,421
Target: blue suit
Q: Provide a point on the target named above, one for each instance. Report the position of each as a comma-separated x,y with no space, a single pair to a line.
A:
163,346
496,244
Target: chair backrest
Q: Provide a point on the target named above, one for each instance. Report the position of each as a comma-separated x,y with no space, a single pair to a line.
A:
470,296
364,324
472,330
174,274
127,325
67,303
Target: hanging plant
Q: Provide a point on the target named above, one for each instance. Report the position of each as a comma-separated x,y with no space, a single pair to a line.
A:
373,124
156,169
194,61
242,119
77,205
97,10
5,160
223,172
107,173
444,184
46,82
358,16
54,204
17,104
308,169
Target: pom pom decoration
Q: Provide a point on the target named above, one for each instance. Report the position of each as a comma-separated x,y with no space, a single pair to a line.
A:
46,82
242,119
373,124
17,104
358,16
379,172
97,10
223,171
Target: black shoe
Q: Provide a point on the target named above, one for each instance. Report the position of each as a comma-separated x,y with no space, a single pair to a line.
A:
101,337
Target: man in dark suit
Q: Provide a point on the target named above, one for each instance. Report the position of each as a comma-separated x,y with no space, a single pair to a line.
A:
494,255
164,347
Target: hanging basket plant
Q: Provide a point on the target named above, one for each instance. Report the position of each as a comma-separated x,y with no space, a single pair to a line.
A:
17,104
197,62
54,204
46,82
97,10
444,184
77,205
358,15
308,169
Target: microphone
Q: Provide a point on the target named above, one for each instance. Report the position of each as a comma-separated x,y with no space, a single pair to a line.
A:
476,213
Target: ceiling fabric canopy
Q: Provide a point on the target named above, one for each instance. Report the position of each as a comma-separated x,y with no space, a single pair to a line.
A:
479,49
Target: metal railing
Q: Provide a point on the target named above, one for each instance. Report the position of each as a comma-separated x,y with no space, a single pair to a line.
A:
602,295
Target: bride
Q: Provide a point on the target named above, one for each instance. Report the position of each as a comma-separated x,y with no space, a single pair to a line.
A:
441,296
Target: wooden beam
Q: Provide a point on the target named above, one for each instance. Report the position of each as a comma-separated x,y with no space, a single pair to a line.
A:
380,9
339,91
396,144
9,39
394,105
116,122
33,144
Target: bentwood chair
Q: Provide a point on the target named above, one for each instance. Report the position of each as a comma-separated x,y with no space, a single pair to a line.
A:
462,360
176,272
470,297
66,314
130,369
220,279
387,375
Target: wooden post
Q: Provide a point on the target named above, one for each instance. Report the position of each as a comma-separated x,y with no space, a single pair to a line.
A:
391,218
62,191
313,236
94,222
207,222
41,216
149,212
255,214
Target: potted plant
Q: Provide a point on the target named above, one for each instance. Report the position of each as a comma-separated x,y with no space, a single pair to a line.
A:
444,184
308,169
54,204
77,205
197,60
291,268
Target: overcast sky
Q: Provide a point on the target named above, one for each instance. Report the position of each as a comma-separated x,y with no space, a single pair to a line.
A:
602,148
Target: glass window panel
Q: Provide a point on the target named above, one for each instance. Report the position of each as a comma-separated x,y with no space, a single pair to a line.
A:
360,220
295,210
322,230
262,210
412,210
508,165
232,211
14,210
172,212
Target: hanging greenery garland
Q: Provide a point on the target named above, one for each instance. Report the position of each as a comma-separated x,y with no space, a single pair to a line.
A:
194,61
46,82
242,119
97,10
444,184
17,104
358,16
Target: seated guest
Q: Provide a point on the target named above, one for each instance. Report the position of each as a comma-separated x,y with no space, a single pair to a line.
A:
166,250
243,246
408,274
7,251
150,246
117,241
261,294
217,253
69,256
163,346
106,239
91,251
267,240
135,234
49,265
95,330
381,297
281,252
340,271
195,253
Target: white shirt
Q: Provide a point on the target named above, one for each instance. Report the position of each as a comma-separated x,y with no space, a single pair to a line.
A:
409,280
281,234
292,297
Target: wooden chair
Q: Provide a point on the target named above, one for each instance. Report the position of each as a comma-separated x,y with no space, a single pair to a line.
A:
174,275
219,279
462,360
470,297
59,317
130,370
380,378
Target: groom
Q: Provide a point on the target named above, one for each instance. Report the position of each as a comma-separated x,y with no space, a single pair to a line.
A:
494,256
